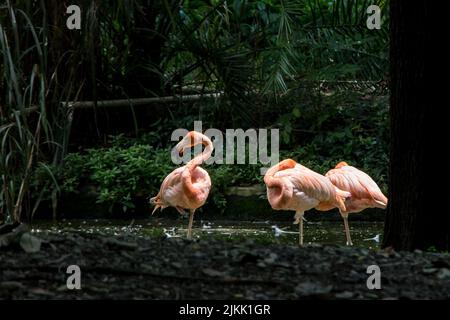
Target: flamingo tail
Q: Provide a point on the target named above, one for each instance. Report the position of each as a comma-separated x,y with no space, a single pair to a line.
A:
156,201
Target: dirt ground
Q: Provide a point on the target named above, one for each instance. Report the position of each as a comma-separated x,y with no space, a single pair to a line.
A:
132,267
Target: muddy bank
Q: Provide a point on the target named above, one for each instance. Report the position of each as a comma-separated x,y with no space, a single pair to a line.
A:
134,267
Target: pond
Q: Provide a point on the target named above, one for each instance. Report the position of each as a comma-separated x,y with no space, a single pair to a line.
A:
323,232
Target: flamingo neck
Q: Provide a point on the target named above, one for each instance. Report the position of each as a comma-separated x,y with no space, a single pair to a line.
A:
188,186
202,157
276,188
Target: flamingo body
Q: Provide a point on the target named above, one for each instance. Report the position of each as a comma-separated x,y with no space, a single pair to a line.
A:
176,192
365,193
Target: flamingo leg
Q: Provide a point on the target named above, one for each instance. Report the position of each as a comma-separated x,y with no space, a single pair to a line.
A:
300,228
191,220
347,232
181,211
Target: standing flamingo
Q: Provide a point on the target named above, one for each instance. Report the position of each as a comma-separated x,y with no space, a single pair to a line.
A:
365,193
291,186
187,187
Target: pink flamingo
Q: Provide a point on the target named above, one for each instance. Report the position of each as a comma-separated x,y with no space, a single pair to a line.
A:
187,187
291,186
365,193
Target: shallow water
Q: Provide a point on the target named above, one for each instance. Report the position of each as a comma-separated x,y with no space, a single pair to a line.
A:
261,231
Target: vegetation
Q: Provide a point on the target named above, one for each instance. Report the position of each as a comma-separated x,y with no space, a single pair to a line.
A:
310,68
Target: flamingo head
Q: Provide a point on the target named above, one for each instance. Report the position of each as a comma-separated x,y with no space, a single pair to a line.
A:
341,164
191,139
286,164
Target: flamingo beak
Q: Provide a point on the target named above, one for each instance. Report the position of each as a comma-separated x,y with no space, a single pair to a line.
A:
180,147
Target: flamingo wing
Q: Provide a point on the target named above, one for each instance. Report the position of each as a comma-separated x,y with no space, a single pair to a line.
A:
170,192
184,189
201,183
310,183
358,183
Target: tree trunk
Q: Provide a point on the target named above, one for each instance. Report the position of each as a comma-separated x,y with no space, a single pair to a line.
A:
418,209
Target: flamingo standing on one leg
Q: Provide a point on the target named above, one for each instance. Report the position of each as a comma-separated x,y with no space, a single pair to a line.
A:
291,186
365,193
187,187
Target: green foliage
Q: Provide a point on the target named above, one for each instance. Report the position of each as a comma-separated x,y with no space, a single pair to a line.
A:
119,174
267,46
24,139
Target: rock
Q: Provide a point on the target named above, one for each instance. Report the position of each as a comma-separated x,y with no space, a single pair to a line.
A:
442,263
62,288
344,295
11,233
429,270
247,257
11,285
370,295
41,292
98,290
271,258
30,243
213,273
444,273
312,289
354,277
407,294
121,244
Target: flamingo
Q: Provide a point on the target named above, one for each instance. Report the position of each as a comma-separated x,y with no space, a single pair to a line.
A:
365,193
187,187
291,186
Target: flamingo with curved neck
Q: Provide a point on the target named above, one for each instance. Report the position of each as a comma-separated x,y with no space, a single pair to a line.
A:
187,187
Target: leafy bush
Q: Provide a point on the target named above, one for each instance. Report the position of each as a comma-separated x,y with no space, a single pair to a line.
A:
119,174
